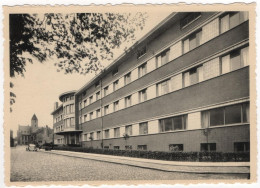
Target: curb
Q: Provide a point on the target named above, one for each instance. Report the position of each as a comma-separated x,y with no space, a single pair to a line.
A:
162,168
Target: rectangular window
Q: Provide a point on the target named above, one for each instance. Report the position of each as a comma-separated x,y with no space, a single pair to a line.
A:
208,147
115,71
116,147
115,85
241,146
85,137
116,106
79,120
232,20
72,108
173,123
85,117
98,113
91,136
143,95
141,52
238,113
106,109
116,132
98,135
85,103
128,101
189,19
128,78
72,122
107,133
106,91
143,128
90,99
176,147
163,58
142,69
98,95
233,114
193,41
90,115
128,147
142,147
80,106
235,60
128,130
163,87
193,76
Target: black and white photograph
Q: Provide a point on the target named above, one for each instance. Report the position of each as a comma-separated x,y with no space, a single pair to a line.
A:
129,94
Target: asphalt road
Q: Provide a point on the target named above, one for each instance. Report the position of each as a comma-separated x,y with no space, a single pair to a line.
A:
39,166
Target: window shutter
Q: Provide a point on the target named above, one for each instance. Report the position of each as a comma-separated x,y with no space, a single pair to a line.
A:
151,64
210,31
225,64
186,79
176,82
211,69
224,24
244,56
175,51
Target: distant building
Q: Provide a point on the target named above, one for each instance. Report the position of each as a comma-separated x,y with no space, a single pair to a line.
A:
34,133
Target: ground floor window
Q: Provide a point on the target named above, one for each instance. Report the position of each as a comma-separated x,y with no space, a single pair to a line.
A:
241,147
238,113
128,147
173,123
142,147
208,147
176,147
116,147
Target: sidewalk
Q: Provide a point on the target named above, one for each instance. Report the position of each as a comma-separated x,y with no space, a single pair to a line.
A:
169,166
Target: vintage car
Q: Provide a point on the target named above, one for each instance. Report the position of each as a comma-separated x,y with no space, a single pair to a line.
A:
31,147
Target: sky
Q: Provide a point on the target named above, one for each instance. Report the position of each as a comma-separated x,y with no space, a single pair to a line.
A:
41,85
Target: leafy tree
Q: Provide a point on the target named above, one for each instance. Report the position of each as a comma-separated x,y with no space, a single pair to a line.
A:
80,41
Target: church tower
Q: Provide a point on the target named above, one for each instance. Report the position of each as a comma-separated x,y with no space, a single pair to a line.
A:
34,123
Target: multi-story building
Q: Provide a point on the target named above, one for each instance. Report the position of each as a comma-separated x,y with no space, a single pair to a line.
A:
184,86
64,120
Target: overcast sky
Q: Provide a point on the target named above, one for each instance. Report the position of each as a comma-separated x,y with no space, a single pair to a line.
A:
41,86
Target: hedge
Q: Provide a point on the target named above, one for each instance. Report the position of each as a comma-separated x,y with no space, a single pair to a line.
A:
168,156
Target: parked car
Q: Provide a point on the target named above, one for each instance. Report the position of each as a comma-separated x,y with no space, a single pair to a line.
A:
31,147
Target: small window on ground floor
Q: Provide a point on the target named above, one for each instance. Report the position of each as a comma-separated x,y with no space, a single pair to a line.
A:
116,147
241,147
208,147
142,147
128,147
176,147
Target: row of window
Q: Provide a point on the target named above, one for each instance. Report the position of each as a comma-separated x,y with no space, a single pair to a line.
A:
68,98
228,115
67,123
229,62
204,147
68,109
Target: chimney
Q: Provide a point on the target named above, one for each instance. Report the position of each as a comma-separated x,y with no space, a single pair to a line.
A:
55,105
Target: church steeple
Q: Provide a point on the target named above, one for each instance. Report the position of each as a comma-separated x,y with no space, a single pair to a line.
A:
34,123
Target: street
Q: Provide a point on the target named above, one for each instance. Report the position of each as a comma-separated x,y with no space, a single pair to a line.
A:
44,166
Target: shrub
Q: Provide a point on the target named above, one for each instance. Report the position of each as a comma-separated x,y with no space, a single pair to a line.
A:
169,156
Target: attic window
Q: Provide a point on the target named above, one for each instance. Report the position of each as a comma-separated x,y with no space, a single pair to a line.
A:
115,71
189,19
141,52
